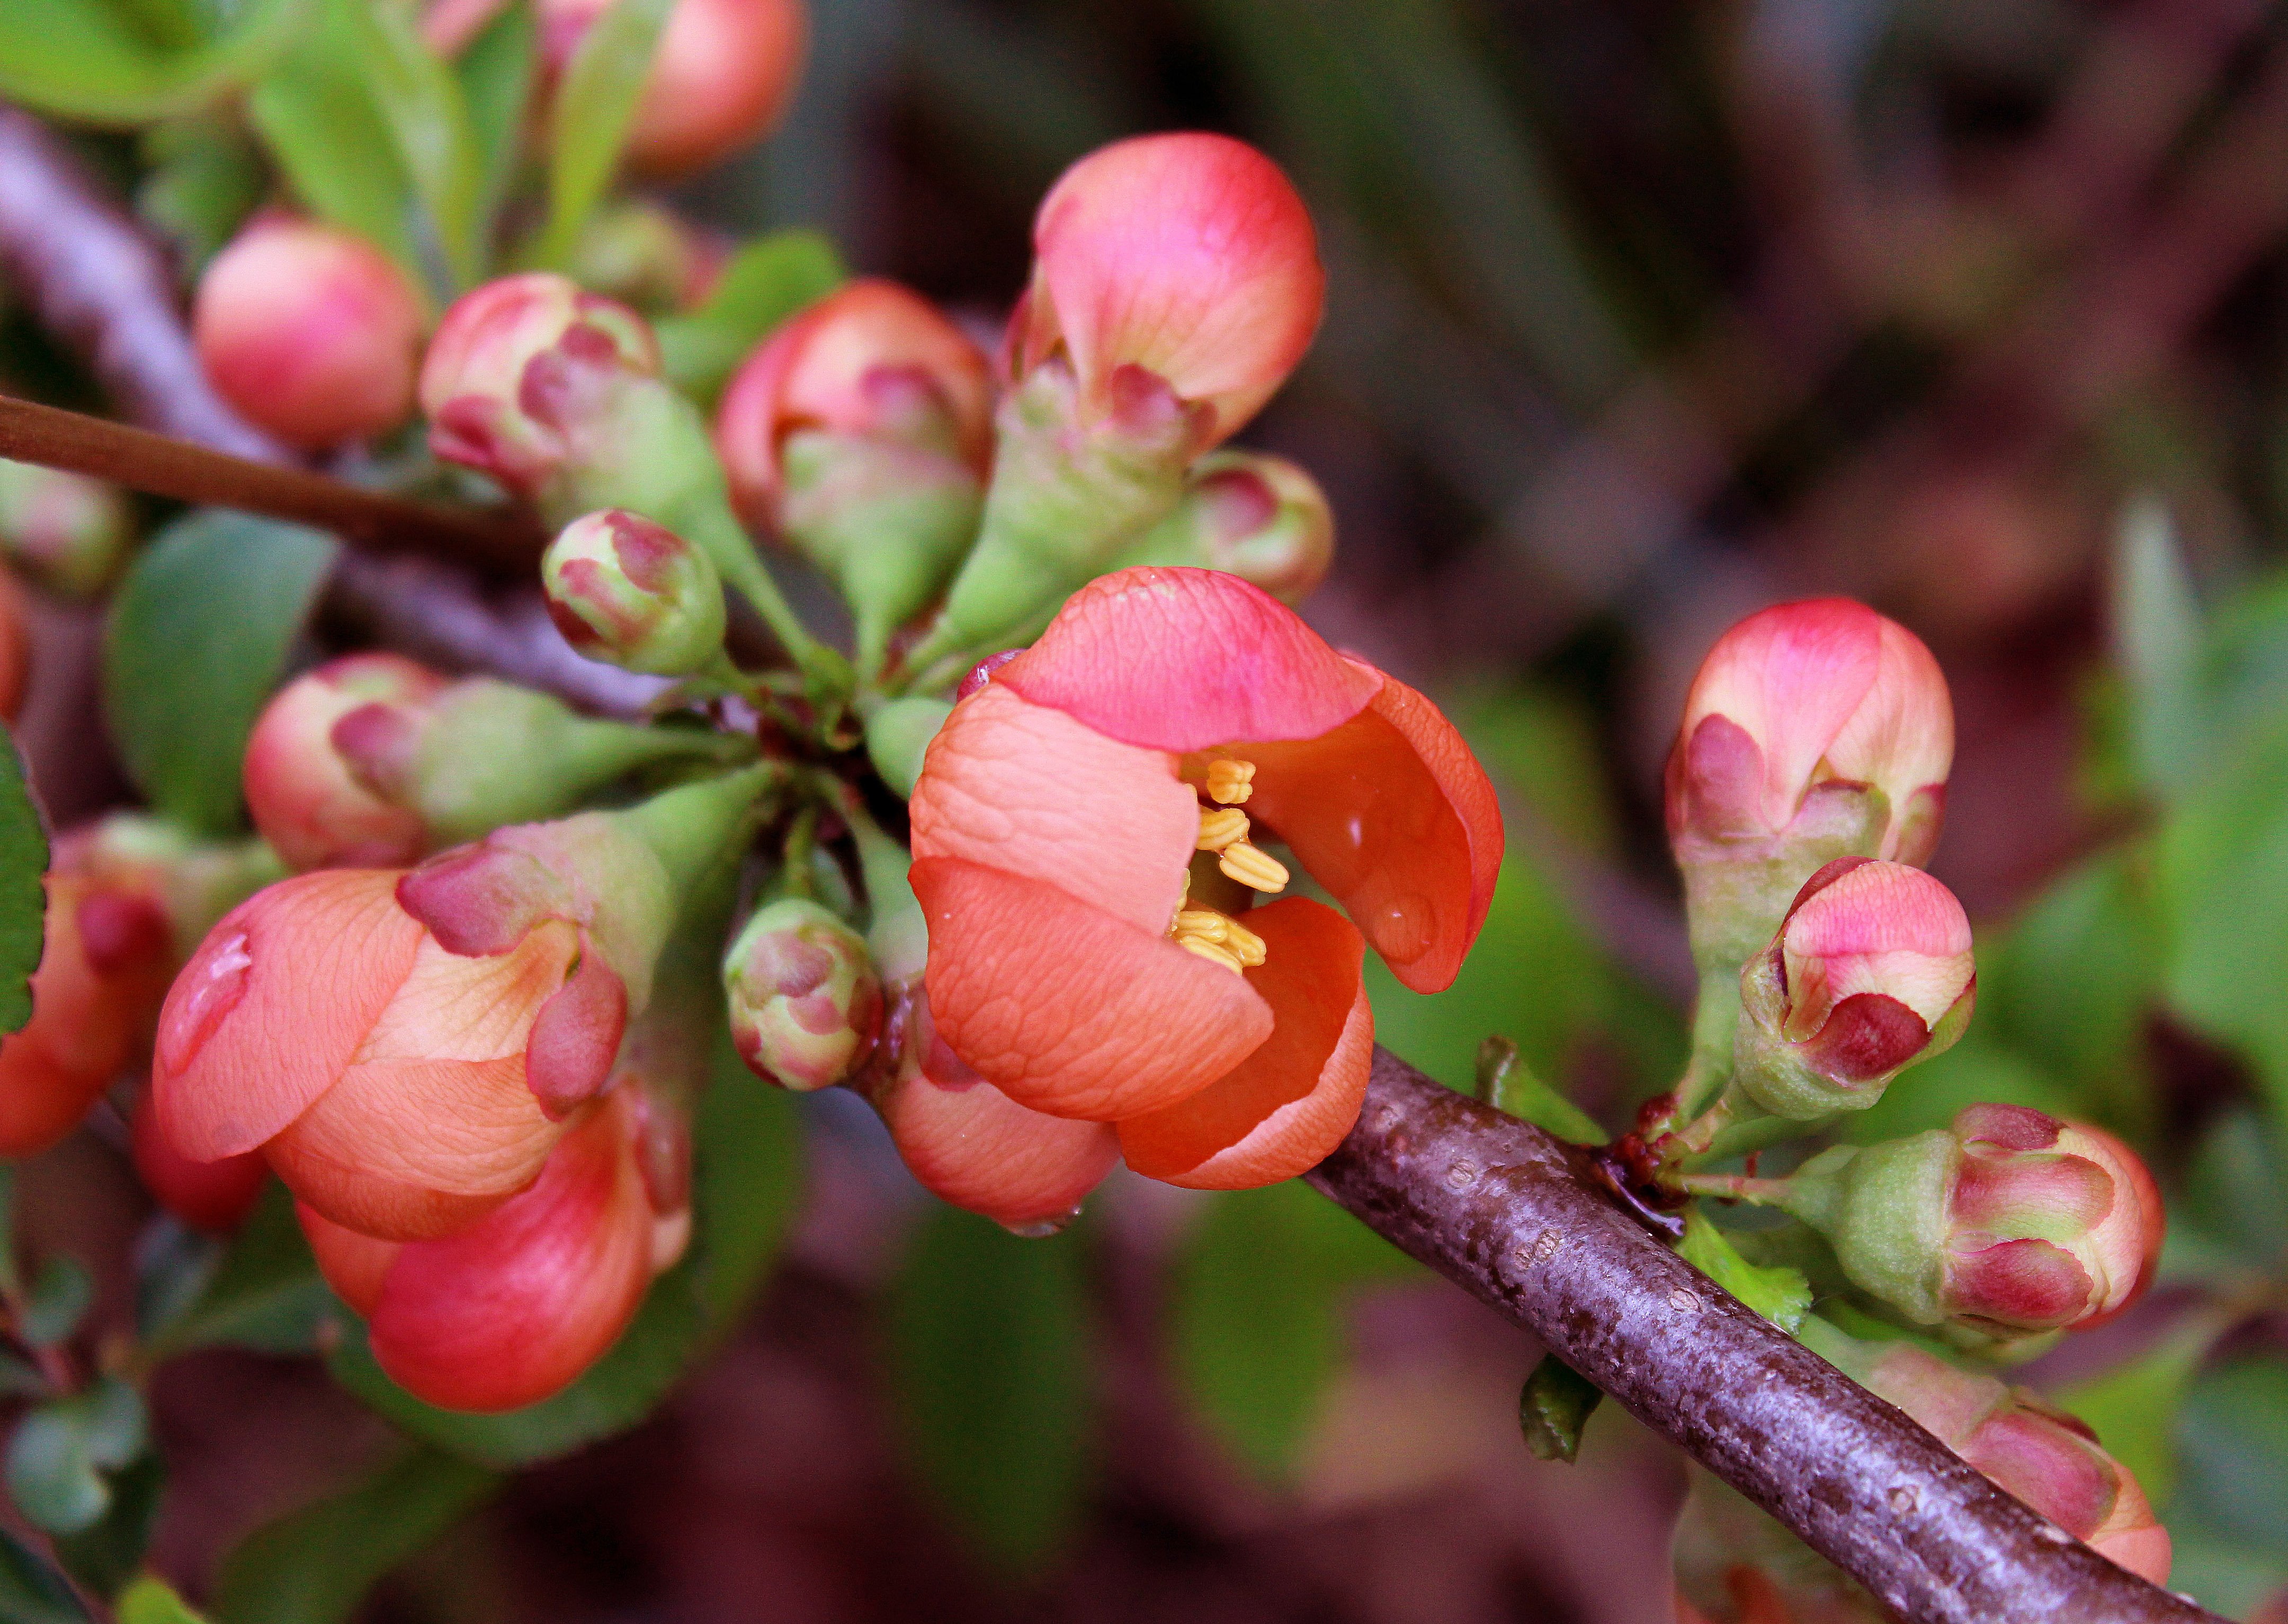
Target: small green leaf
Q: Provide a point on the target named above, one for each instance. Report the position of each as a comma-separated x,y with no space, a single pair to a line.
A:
82,59
151,1600
2232,1451
420,102
61,1459
2156,636
2232,1191
315,113
1555,1403
496,72
205,179
1507,1084
989,1366
174,1266
767,282
105,1556
314,1565
266,1294
1780,1294
23,906
58,1299
199,634
31,1590
595,105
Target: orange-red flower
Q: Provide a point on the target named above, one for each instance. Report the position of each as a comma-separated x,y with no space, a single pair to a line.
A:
215,1197
1089,832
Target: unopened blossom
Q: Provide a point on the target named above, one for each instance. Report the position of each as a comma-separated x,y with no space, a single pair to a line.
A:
63,531
806,1001
1814,730
1871,971
1092,829
1249,514
634,593
309,331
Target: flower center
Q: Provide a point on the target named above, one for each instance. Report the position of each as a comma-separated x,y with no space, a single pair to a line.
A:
1209,932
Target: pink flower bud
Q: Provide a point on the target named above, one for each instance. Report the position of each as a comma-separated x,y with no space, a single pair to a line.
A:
635,593
213,1197
514,1307
306,794
806,1002
1251,514
724,71
310,332
1871,970
65,531
523,375
1189,257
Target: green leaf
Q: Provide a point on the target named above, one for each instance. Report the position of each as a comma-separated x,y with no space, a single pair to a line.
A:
317,115
1260,1290
767,282
2232,1193
1507,1084
61,1459
420,102
595,105
1555,1403
265,1294
82,59
2156,636
151,1600
199,634
1780,1294
314,1565
205,179
989,1367
2133,1407
58,1301
747,1172
497,72
174,1266
105,1556
2232,1450
31,1590
23,903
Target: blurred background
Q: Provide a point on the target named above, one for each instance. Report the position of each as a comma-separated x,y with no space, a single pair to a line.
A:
1642,315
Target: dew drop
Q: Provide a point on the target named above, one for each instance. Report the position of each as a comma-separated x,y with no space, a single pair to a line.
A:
1041,1228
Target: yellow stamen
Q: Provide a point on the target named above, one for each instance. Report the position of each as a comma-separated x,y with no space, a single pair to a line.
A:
1204,923
1209,951
1243,943
1252,866
1220,827
1230,782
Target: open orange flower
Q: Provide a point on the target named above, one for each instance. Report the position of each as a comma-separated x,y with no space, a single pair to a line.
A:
1089,832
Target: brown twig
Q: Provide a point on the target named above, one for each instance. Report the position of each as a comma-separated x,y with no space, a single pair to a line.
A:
1499,1207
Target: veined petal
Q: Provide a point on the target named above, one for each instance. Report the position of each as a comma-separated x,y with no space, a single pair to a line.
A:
1282,1110
973,1146
354,1264
1066,1008
1790,676
1393,814
1183,659
1030,791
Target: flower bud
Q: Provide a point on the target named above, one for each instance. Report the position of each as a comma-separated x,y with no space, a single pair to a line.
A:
63,531
304,795
1814,730
635,593
723,73
860,434
513,1308
210,1196
310,332
1250,515
1871,971
805,1003
644,255
2044,1456
2009,1219
897,737
15,648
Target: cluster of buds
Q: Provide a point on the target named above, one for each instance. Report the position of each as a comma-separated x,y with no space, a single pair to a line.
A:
2007,1220
62,531
373,760
427,1058
310,332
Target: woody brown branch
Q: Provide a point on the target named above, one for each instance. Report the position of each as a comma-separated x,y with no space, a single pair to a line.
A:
1502,1209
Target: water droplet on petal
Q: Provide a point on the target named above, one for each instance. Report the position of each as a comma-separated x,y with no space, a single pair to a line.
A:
1041,1228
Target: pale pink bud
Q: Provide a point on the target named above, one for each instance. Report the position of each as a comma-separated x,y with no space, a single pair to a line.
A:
1251,514
1189,257
66,532
310,332
306,795
625,590
806,1002
723,73
871,359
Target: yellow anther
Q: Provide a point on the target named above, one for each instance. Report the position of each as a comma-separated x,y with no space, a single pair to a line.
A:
1220,827
1204,923
1243,943
1210,951
1230,782
1252,866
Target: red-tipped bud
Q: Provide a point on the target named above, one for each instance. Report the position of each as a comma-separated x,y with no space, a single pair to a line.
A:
1189,257
514,1307
310,331
806,1002
523,376
65,531
2009,1219
213,1197
724,71
1814,730
1871,971
306,794
1251,514
647,256
635,593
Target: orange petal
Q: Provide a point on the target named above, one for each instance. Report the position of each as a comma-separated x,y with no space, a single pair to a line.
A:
1288,1104
214,1197
1068,1010
274,1004
1028,790
77,1040
1182,659
1393,814
976,1147
354,1264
